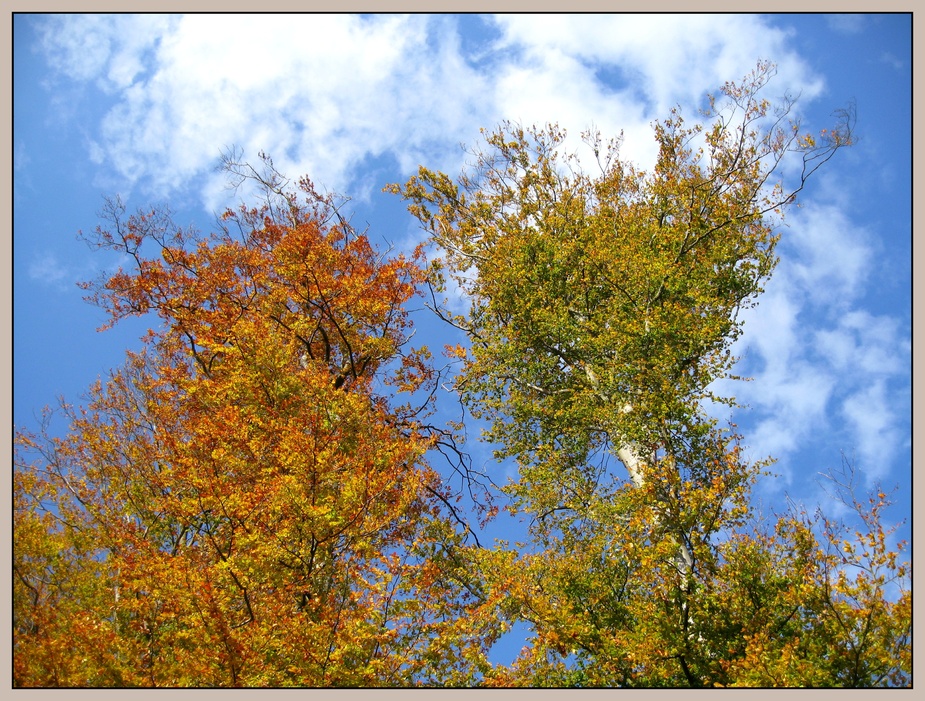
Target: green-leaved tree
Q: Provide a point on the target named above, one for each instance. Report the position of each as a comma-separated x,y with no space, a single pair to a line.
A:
604,306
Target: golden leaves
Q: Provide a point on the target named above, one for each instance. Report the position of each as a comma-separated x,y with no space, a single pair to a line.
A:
247,503
603,308
251,502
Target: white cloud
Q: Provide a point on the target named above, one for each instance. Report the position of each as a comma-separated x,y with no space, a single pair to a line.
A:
814,353
48,270
78,45
793,404
21,157
669,59
893,61
871,413
770,329
321,93
846,23
829,256
865,345
554,69
107,48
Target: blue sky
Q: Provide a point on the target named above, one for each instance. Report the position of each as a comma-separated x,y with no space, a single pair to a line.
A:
143,105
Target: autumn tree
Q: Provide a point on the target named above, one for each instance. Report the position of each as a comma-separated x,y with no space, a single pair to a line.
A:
604,306
253,498
247,502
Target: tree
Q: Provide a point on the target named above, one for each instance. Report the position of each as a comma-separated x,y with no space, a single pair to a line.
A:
602,310
242,504
252,499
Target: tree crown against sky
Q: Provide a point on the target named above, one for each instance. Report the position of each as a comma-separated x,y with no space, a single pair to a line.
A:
146,112
245,503
603,308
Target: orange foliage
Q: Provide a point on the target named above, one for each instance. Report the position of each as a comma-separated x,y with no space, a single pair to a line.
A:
237,505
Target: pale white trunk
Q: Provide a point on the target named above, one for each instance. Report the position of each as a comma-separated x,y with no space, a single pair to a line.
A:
630,454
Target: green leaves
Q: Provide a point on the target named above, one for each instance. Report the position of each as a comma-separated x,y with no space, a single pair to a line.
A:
248,502
604,307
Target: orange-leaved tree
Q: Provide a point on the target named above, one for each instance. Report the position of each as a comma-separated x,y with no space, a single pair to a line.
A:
245,502
603,307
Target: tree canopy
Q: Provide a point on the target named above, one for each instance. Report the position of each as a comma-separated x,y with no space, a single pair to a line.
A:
257,499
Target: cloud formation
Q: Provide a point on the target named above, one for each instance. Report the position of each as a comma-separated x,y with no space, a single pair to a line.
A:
328,94
826,372
322,93
46,269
